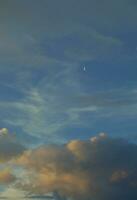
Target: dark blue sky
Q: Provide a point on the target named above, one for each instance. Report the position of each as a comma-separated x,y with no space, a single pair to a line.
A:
45,93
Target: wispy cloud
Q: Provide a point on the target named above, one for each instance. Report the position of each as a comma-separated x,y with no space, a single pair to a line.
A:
60,100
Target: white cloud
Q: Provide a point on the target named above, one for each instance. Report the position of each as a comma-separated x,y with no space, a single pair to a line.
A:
12,193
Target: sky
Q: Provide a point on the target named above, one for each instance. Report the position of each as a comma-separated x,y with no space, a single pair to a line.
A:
68,79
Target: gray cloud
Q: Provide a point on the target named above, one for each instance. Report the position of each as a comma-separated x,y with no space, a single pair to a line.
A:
110,98
30,30
9,147
50,13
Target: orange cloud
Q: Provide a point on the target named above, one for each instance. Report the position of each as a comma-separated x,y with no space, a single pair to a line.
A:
82,169
6,177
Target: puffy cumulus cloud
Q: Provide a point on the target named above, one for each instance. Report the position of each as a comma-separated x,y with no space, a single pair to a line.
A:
9,146
101,168
4,131
6,177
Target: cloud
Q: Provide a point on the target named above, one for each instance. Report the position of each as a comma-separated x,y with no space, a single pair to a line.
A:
46,52
118,176
31,31
9,147
6,177
44,113
82,13
12,193
91,45
58,100
101,168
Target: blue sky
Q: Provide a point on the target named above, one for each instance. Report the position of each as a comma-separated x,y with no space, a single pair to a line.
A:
68,71
45,93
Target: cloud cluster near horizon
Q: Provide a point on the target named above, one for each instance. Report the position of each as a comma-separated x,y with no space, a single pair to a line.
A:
100,168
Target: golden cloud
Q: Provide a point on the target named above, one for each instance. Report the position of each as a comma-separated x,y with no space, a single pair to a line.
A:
6,177
102,168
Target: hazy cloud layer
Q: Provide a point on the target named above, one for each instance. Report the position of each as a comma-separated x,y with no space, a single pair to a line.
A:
88,30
